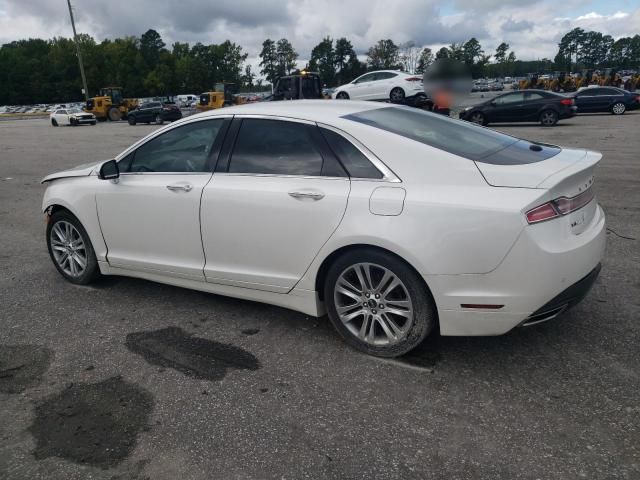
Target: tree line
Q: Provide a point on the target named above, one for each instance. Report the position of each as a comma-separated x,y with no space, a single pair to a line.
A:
38,71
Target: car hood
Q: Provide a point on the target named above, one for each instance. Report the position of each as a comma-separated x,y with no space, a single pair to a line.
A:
79,171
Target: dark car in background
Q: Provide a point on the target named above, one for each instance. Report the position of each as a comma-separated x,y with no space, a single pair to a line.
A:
522,106
157,112
606,99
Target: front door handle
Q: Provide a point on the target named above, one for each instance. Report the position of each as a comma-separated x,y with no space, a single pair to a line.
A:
185,187
307,194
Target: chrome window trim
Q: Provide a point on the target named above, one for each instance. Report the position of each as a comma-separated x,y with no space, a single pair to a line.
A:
279,175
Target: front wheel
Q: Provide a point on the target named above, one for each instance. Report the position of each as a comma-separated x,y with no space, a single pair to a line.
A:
378,303
53,122
131,120
342,96
159,119
478,117
618,108
548,118
70,249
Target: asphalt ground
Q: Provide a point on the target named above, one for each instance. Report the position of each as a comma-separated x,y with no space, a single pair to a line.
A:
128,379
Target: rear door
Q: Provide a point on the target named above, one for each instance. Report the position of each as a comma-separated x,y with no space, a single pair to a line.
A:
586,100
532,105
275,198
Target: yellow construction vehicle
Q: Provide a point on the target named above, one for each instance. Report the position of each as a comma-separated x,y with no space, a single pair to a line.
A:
611,78
110,105
586,78
221,96
531,81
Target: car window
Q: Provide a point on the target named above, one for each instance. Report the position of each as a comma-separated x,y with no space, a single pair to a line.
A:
182,149
588,92
61,112
510,98
366,78
357,165
385,75
610,91
459,138
275,147
533,96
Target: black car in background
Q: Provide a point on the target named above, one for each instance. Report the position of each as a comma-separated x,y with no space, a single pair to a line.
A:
522,106
606,99
156,112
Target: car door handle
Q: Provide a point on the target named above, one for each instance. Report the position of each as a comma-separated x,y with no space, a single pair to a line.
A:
185,187
306,194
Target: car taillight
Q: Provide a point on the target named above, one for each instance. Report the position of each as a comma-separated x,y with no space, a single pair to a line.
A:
638,98
413,79
558,207
567,101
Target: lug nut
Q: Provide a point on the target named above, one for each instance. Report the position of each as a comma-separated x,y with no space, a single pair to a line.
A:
366,294
381,306
377,296
374,311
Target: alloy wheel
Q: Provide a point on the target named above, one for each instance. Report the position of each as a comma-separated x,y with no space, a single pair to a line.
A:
68,247
373,304
619,108
477,117
548,118
397,94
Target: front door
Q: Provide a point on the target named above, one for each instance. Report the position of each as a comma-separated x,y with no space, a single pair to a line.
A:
150,217
271,205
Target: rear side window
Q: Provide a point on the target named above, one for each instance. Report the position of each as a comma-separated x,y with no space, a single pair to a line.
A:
357,165
459,138
511,98
275,147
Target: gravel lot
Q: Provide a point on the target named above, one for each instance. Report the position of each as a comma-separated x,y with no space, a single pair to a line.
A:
129,379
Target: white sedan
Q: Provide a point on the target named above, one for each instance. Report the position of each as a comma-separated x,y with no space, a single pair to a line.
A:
392,220
381,85
71,116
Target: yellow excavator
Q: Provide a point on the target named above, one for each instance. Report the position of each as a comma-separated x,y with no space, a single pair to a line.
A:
221,96
110,104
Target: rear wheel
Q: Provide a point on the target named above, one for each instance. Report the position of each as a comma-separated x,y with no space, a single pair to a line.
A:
378,303
342,96
478,117
159,119
73,122
113,114
618,108
548,118
70,249
397,94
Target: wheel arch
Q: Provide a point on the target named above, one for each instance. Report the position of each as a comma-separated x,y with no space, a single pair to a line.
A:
321,274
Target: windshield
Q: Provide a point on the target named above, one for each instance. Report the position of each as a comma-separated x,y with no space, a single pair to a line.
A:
74,110
454,136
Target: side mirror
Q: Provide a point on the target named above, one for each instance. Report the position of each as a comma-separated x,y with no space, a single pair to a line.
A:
109,170
492,103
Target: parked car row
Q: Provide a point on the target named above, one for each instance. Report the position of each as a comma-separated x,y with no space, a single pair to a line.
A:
156,112
549,107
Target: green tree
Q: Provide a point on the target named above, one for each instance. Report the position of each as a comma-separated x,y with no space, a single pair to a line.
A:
444,52
269,61
501,53
323,61
384,55
287,57
151,45
426,58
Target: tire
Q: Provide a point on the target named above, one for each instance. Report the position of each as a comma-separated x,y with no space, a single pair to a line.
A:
548,118
618,108
158,119
369,327
73,122
478,117
131,120
342,96
54,122
93,123
396,95
113,114
61,228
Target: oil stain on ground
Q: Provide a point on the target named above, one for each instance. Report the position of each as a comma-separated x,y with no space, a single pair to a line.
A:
92,423
22,366
194,356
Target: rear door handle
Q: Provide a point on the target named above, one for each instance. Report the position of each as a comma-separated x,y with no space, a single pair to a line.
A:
307,194
185,187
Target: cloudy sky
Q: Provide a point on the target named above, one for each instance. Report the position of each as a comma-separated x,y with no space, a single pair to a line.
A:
532,27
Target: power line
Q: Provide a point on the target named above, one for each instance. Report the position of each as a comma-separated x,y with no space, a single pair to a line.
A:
75,38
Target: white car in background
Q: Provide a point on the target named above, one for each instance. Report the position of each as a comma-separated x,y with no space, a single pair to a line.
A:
71,116
393,220
381,85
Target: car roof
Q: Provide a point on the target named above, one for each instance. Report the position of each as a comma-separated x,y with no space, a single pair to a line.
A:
324,111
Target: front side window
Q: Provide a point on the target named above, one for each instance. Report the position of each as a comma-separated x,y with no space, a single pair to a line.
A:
365,78
182,149
534,96
275,147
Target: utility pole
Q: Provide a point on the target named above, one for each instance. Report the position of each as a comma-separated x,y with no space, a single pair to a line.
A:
75,39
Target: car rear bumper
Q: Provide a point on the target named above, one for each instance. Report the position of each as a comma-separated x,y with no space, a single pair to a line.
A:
541,276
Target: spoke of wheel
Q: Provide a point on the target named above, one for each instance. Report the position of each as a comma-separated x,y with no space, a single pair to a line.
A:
72,266
351,316
394,326
348,308
360,273
397,311
385,279
386,329
348,293
371,330
343,282
390,287
398,303
58,247
58,231
365,326
82,262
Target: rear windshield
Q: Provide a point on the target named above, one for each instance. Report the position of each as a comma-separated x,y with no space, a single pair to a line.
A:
460,138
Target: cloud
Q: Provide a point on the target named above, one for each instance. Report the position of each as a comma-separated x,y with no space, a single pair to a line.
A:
533,29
